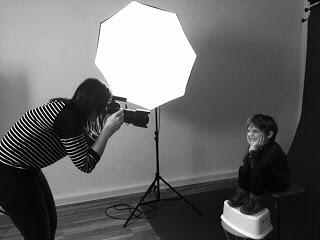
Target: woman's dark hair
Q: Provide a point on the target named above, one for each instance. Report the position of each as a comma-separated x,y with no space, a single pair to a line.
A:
264,123
91,96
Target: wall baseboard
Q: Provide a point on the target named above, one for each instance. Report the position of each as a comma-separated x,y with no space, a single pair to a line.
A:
139,188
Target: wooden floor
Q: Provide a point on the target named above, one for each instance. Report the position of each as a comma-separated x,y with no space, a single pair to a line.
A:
88,221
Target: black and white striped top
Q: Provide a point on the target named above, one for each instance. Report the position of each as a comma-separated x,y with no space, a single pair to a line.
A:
46,134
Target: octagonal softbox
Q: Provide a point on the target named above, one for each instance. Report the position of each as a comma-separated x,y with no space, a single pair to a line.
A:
144,55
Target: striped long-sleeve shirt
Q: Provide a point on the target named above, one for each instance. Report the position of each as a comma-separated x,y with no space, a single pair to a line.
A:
46,134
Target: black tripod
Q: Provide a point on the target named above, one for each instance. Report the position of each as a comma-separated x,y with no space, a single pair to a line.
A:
155,185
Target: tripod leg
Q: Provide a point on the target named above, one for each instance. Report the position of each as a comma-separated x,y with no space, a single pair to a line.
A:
141,201
194,208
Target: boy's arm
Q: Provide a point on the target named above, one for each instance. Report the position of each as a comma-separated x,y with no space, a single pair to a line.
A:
260,159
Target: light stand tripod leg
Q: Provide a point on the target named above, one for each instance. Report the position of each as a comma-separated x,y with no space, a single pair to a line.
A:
183,198
141,201
156,181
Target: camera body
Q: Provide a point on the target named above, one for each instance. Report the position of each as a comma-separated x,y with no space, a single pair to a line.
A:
137,117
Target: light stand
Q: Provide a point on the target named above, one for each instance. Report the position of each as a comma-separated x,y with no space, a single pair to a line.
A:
155,185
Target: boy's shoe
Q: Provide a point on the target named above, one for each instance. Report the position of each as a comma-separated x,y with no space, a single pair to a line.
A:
253,205
239,198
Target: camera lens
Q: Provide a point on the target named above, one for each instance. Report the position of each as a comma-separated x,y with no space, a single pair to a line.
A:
138,118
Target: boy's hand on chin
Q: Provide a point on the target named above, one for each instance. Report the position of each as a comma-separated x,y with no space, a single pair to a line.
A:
255,144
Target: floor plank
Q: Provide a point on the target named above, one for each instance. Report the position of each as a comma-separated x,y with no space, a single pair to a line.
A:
88,221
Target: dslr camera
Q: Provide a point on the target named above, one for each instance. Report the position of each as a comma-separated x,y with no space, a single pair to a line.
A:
137,117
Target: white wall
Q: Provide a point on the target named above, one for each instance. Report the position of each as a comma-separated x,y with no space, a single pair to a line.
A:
249,61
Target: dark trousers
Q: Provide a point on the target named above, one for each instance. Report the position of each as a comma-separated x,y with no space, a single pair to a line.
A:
257,181
27,199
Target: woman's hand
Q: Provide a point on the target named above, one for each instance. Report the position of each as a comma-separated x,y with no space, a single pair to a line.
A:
113,122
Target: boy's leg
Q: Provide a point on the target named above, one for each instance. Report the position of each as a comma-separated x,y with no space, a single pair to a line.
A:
244,177
242,192
254,202
273,183
265,180
260,181
257,182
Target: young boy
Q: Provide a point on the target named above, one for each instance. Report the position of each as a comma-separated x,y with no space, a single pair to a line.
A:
265,166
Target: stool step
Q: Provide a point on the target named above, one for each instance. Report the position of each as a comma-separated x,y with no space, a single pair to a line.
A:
255,226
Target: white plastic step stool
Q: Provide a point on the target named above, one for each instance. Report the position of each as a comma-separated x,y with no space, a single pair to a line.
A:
256,226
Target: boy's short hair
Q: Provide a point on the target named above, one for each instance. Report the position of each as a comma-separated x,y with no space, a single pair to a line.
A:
264,123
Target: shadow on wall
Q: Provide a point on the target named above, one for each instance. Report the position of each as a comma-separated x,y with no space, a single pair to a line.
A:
231,82
14,99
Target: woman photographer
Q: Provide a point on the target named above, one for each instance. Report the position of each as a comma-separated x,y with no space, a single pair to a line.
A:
41,137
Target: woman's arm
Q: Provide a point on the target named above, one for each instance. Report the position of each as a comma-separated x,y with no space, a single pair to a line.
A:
70,130
112,124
